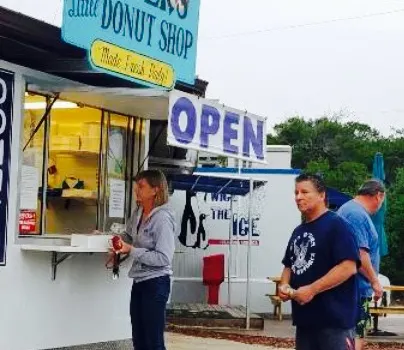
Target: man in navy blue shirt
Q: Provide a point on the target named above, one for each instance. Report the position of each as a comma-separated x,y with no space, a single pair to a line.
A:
320,262
356,212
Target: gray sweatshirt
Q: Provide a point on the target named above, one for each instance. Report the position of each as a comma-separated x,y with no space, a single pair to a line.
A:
154,242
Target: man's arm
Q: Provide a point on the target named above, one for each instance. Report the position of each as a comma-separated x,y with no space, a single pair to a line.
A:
285,277
360,227
366,268
285,280
337,275
367,271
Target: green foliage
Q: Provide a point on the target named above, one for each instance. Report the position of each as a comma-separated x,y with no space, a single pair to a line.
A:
346,176
343,153
326,139
395,228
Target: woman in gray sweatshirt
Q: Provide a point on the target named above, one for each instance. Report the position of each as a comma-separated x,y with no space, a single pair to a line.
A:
150,240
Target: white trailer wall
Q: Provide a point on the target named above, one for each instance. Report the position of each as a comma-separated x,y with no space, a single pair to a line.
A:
83,305
275,216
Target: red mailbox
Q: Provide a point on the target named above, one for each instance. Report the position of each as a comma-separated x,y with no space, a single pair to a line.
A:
213,276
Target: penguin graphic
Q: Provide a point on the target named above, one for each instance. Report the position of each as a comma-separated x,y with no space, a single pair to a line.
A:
187,216
201,233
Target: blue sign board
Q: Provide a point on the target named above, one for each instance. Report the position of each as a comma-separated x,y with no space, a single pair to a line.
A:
6,122
165,31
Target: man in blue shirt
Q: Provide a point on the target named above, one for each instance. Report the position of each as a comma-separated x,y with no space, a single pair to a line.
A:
356,212
320,262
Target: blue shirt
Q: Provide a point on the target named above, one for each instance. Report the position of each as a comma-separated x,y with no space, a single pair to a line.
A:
313,250
366,236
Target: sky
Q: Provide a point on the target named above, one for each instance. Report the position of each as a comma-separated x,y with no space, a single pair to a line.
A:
282,58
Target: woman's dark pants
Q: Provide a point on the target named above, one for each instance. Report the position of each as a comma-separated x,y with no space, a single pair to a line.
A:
148,313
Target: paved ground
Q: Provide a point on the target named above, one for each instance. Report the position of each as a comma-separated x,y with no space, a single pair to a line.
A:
284,329
177,342
272,328
393,323
182,342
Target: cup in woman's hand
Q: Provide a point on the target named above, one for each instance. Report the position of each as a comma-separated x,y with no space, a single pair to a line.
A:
117,243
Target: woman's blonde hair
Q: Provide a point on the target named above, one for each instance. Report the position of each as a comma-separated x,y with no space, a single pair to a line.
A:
155,179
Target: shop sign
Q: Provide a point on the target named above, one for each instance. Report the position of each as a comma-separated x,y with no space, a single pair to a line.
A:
151,42
203,125
121,61
27,222
6,122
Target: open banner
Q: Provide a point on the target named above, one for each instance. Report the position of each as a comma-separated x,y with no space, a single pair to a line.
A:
204,125
6,122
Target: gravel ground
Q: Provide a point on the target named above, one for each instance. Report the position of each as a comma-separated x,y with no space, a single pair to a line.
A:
264,342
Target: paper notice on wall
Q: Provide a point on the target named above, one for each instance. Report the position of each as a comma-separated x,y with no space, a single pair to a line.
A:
29,188
116,198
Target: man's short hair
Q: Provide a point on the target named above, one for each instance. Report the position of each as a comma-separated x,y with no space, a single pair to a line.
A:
371,188
315,179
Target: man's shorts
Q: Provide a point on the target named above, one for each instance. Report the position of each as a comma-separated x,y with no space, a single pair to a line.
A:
325,339
364,319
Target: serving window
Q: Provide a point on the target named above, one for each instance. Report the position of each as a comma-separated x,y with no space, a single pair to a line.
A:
77,166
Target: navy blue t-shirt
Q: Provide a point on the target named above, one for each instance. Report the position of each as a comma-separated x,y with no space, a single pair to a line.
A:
313,250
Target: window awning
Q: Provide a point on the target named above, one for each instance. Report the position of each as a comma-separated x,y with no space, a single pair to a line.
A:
212,184
142,103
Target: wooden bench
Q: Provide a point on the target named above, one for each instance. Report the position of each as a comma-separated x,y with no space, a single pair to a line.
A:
377,311
275,299
383,310
277,303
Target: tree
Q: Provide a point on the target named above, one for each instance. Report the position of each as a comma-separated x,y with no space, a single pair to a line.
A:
326,138
297,133
346,177
395,231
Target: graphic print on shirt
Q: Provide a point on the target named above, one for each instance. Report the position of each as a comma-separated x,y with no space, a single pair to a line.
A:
301,252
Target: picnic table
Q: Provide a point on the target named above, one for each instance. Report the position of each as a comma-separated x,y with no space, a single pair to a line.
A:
384,309
275,299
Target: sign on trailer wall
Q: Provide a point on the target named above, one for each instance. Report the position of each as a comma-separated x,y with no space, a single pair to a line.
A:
6,121
203,125
152,42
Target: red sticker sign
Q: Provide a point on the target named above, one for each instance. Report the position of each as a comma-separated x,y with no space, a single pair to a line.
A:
27,222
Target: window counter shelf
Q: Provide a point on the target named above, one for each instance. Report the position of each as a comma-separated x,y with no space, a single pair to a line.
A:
62,249
61,253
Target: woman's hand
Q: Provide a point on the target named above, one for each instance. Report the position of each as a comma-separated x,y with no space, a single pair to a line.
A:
110,260
124,248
